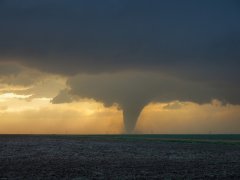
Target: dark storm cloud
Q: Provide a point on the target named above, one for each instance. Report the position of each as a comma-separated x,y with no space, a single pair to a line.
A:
192,38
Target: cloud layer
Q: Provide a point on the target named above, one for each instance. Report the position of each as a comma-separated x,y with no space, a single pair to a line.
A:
196,40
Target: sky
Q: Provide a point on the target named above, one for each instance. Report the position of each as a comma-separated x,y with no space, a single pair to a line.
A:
119,66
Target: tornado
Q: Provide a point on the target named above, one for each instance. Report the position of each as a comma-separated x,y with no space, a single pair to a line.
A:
130,117
130,91
131,112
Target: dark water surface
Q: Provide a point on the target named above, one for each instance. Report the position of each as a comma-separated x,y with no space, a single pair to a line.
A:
119,156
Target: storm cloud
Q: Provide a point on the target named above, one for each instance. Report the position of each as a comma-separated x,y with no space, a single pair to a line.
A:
197,39
128,52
